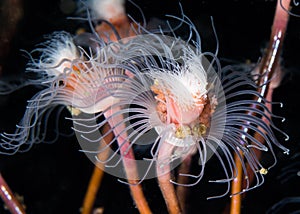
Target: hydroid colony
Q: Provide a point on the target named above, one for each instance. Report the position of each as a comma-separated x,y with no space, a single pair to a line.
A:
157,92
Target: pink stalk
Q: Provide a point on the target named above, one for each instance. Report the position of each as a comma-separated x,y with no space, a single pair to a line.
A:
129,163
270,61
183,191
270,71
13,205
164,178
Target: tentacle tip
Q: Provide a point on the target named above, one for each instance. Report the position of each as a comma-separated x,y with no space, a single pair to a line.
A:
281,105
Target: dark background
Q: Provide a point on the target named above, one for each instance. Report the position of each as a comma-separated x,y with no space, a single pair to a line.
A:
53,178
